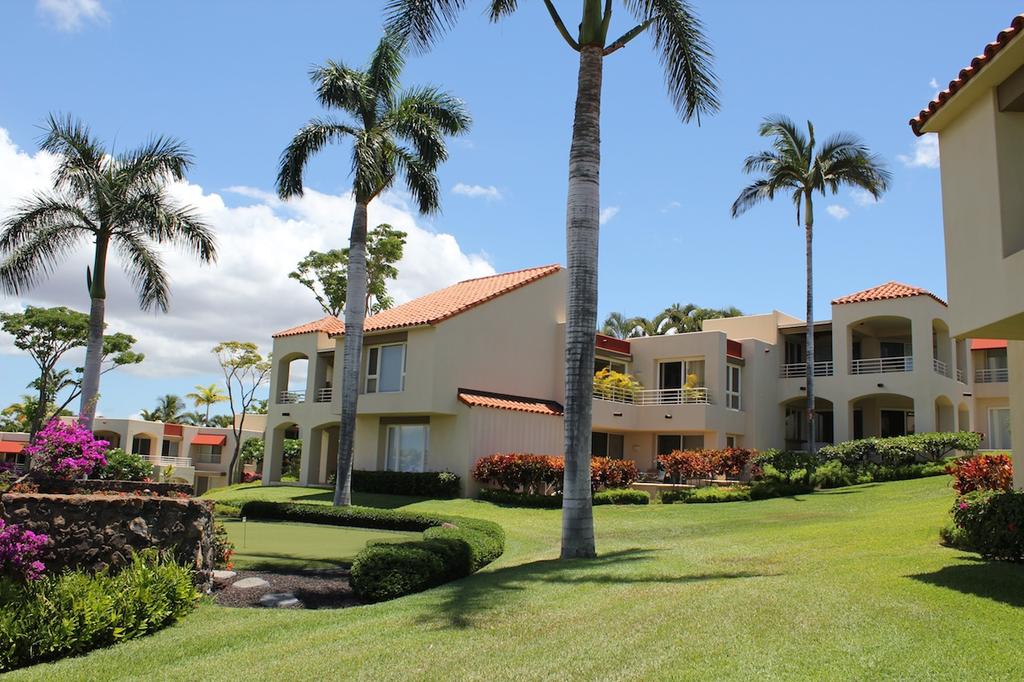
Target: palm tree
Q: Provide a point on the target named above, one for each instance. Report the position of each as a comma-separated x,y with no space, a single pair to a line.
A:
170,409
617,326
678,37
795,166
206,396
382,118
112,200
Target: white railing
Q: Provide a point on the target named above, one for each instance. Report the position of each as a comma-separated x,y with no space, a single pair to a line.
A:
882,365
942,368
960,375
324,395
160,460
664,396
291,397
799,369
992,376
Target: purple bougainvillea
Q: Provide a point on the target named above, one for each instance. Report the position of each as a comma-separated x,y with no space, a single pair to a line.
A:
19,552
66,450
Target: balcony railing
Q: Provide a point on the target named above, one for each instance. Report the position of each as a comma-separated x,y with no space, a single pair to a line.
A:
998,375
160,460
960,375
882,365
324,395
291,397
799,369
663,396
942,368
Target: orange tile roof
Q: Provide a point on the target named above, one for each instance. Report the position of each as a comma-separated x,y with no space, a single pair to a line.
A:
889,290
1015,28
329,325
503,401
987,344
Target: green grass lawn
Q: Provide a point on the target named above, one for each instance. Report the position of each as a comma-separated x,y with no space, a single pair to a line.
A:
843,584
278,545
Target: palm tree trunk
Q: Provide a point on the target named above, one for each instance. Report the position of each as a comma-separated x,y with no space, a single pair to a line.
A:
809,238
582,225
355,314
94,347
37,418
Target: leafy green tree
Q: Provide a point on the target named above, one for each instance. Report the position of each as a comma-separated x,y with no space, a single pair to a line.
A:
118,351
795,166
382,121
206,396
110,200
124,466
245,372
686,59
17,417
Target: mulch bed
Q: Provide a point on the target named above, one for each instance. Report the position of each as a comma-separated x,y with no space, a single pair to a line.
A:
315,589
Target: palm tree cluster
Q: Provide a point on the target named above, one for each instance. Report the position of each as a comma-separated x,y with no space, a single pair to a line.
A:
171,409
676,319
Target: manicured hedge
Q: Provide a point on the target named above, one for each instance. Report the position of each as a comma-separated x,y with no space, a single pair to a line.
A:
684,465
709,494
603,497
73,613
542,474
621,496
442,485
452,546
901,450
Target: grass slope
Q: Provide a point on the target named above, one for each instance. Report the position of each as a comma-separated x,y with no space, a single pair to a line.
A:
845,584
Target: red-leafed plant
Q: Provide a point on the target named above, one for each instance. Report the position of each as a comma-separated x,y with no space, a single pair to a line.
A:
984,472
542,474
606,473
683,465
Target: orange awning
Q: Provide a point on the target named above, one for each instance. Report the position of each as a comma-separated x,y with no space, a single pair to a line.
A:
11,447
987,344
209,439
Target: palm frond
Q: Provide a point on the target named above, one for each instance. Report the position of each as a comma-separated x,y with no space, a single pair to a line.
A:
154,162
685,54
40,212
81,157
386,66
153,214
501,8
341,87
310,139
420,180
144,268
752,195
421,21
787,139
444,110
37,257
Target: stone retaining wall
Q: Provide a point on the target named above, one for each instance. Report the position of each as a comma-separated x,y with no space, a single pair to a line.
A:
89,486
94,532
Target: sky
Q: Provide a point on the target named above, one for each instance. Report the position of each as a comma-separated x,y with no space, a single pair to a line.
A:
230,78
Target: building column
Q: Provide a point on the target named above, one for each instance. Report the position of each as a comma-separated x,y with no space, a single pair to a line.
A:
1015,362
924,408
842,421
273,455
309,462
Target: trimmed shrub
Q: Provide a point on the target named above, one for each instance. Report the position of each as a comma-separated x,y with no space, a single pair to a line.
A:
992,523
231,511
442,485
836,474
607,473
73,613
713,494
542,474
765,490
509,499
787,463
621,496
901,450
985,472
675,495
124,466
685,465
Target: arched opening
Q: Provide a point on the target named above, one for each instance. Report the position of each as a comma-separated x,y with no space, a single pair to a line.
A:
944,415
322,454
292,370
963,417
883,415
144,444
794,414
112,437
282,452
881,345
942,349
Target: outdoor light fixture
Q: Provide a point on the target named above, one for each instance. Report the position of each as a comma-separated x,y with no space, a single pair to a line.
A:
881,385
668,416
286,414
616,414
803,388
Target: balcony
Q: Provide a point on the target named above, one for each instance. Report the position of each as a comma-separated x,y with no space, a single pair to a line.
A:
942,368
882,365
798,370
998,375
291,398
664,396
324,395
162,461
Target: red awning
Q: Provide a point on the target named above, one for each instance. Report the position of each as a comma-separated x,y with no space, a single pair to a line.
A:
209,439
987,344
11,447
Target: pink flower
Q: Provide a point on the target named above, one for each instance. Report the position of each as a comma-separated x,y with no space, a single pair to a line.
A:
963,505
66,450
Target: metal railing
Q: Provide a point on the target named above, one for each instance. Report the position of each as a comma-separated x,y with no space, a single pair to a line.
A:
942,368
960,375
663,396
799,369
324,395
882,365
291,397
991,376
164,461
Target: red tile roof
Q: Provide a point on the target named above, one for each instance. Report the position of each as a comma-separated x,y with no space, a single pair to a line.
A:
329,325
884,292
987,344
503,401
1015,28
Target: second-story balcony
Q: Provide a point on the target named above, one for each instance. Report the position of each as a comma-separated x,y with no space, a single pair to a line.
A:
797,370
291,397
882,365
663,396
324,395
162,460
942,368
997,375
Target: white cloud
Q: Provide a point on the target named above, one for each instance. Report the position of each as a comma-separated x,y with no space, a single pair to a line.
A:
838,212
608,213
490,193
862,197
934,83
70,15
671,206
247,295
926,153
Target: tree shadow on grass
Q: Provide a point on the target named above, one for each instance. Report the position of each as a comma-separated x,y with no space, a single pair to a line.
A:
360,499
476,594
275,562
996,580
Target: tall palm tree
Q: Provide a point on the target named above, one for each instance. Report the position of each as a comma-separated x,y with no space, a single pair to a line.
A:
617,326
112,200
170,409
382,120
206,396
796,166
678,37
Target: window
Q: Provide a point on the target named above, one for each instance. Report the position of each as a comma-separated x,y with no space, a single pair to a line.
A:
141,445
170,448
995,358
732,441
895,423
385,368
732,387
892,349
794,353
607,444
604,363
824,426
676,374
999,428
671,442
407,447
209,454
858,424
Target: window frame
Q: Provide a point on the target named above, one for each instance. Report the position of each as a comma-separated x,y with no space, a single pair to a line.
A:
373,362
397,428
733,389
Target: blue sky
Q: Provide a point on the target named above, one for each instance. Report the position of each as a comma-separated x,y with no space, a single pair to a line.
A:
230,79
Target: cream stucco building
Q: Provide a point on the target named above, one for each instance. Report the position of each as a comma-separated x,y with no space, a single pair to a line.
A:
979,119
476,369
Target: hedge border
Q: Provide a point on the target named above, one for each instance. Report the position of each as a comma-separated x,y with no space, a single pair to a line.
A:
452,547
